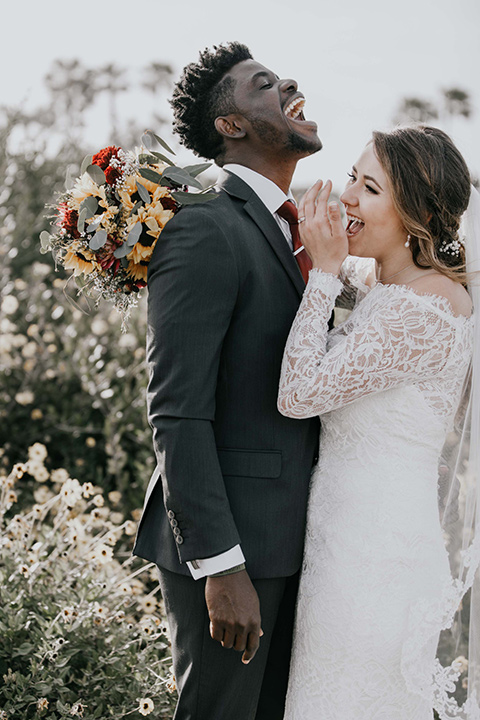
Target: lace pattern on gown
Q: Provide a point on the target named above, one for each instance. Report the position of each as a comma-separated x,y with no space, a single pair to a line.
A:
387,383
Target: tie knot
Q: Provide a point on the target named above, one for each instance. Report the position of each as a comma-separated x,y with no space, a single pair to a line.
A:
288,212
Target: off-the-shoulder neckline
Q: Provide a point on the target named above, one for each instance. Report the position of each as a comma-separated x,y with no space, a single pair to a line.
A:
447,305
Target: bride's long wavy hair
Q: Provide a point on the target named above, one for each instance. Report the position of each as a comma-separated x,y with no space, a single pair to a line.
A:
430,184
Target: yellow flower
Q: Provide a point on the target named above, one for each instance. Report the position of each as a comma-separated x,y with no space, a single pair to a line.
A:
146,706
137,272
86,187
80,260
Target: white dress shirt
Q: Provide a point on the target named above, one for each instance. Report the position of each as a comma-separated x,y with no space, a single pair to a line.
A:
273,198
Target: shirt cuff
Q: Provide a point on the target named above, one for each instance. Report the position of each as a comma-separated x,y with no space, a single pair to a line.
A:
219,563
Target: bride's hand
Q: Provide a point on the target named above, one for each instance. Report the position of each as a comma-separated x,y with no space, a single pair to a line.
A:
322,232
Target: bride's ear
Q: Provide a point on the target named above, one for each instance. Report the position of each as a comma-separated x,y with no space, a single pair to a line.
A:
230,126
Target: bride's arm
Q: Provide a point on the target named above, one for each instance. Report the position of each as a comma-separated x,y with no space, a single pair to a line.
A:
403,341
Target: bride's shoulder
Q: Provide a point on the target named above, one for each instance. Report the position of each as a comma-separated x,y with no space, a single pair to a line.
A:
444,287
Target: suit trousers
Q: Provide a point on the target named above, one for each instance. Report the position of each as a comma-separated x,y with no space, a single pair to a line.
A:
212,682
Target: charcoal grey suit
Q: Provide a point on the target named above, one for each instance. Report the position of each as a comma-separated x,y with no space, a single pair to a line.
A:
224,288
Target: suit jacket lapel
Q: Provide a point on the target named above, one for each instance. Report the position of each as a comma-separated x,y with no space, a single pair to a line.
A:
233,185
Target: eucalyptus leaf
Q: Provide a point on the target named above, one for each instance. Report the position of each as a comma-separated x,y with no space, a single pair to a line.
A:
98,240
91,204
151,175
145,158
180,177
137,205
185,198
195,170
97,174
149,139
121,251
82,216
45,239
94,225
163,158
134,234
144,194
87,160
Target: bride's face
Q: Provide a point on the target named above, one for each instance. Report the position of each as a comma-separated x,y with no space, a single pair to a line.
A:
374,228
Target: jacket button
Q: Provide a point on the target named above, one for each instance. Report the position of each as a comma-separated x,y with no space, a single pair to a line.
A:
177,531
179,539
171,514
173,522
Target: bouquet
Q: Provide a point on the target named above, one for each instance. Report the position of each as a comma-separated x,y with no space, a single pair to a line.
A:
108,223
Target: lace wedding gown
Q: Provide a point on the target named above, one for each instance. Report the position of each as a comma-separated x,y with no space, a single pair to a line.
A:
376,587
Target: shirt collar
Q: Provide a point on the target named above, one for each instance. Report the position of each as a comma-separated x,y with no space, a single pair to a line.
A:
269,193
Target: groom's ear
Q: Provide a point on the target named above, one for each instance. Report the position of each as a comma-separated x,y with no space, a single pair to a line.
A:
230,126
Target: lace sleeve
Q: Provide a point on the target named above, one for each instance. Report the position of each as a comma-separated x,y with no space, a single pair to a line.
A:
402,341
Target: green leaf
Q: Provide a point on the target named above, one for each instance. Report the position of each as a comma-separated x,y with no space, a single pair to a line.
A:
138,204
134,234
149,138
195,170
163,158
87,160
151,175
185,198
23,649
144,158
144,194
91,204
180,177
121,251
82,216
97,174
94,225
98,240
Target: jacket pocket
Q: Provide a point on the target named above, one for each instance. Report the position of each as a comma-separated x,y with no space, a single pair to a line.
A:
250,463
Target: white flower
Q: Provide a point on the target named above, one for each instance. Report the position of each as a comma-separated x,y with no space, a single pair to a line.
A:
115,497
461,663
60,475
98,501
146,706
9,304
77,709
87,489
102,554
147,605
68,613
130,527
37,451
37,470
30,349
71,491
42,704
25,398
42,494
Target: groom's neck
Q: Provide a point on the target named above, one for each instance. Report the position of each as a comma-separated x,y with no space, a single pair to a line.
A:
280,173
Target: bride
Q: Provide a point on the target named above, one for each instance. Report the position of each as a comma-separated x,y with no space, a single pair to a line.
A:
388,557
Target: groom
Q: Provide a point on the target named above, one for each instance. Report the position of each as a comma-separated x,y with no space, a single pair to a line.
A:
225,509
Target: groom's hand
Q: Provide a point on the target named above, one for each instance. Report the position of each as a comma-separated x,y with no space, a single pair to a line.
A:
234,612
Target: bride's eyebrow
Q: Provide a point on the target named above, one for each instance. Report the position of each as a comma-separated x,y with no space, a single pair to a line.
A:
369,177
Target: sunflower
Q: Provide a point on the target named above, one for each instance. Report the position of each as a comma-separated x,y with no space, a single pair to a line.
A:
80,260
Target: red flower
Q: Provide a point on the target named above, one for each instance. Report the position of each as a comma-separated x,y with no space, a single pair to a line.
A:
103,157
168,203
68,219
111,175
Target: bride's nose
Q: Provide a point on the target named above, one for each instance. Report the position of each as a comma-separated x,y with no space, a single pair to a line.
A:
348,197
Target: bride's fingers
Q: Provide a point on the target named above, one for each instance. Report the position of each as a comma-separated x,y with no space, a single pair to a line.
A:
322,200
306,207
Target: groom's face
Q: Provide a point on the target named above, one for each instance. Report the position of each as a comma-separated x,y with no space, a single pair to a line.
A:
273,110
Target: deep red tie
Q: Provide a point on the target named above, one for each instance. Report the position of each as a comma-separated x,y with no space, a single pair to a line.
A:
289,212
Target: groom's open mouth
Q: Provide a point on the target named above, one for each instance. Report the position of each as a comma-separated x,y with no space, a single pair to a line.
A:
354,225
293,111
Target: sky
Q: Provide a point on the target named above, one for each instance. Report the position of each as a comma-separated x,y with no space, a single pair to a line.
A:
354,60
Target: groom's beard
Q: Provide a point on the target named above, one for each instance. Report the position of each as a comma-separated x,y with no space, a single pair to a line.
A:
294,143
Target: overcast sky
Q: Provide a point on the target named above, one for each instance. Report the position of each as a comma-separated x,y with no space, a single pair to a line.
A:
353,59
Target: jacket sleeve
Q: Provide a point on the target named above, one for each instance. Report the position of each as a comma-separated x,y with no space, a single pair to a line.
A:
192,291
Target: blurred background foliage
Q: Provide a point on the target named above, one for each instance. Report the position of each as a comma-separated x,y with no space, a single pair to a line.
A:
68,377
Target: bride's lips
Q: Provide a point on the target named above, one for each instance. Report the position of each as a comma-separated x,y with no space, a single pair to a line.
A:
354,225
293,111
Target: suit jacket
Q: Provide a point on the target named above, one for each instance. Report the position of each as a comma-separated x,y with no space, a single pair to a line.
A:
223,290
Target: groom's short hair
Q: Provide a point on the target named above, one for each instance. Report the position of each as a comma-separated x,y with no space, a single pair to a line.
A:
202,94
